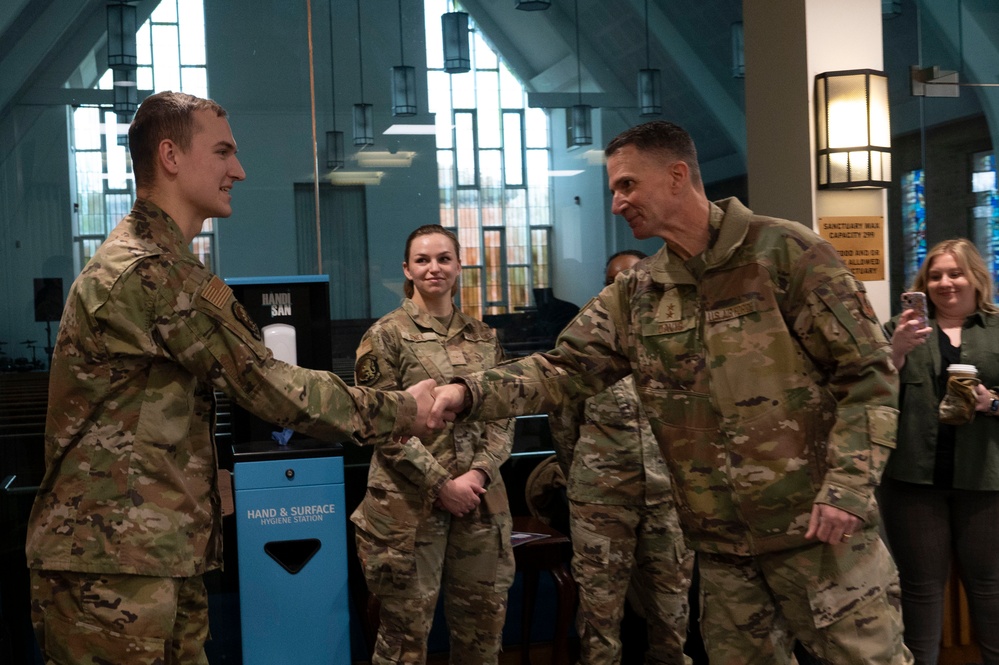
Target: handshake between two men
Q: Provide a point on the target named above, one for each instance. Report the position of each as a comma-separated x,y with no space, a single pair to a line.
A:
436,405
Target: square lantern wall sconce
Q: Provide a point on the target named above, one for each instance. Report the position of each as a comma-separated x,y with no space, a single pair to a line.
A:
852,130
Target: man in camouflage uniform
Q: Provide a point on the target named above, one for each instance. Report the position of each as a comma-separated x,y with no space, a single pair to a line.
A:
128,516
768,383
623,520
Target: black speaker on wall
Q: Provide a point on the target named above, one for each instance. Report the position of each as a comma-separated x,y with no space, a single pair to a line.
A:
48,298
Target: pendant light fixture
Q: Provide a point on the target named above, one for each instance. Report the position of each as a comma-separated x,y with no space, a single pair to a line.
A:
363,113
334,139
581,133
738,51
457,54
533,5
403,82
121,44
649,80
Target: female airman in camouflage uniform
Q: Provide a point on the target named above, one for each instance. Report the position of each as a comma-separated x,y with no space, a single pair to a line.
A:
435,506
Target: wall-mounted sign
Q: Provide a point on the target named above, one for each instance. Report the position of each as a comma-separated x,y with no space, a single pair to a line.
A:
860,242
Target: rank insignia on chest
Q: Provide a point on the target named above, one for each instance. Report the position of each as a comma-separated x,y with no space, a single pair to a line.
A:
366,370
670,308
456,355
244,317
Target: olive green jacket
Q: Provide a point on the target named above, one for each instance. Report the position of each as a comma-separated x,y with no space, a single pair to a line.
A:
976,456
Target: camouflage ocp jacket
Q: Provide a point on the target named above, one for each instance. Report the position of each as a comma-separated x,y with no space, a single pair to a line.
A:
147,335
761,366
405,347
607,450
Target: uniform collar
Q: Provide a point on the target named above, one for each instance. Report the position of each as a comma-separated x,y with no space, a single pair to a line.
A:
728,223
424,319
153,223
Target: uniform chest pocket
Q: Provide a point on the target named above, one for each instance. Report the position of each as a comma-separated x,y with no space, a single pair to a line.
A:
424,356
670,354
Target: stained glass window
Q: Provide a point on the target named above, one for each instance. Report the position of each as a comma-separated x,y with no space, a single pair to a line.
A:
985,212
913,223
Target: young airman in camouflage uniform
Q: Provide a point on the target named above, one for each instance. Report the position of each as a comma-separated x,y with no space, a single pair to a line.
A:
769,386
415,524
128,516
623,520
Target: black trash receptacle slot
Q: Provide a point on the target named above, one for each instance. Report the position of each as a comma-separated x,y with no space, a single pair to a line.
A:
292,555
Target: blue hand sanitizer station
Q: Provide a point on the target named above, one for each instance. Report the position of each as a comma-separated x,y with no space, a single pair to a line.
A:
291,536
291,529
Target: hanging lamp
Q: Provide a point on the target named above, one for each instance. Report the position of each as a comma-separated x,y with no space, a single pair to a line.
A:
122,59
363,113
334,138
738,51
649,80
581,134
403,82
457,54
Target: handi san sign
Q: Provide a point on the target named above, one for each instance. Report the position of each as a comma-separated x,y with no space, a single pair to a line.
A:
860,242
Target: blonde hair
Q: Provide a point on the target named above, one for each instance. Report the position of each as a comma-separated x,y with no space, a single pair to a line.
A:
970,261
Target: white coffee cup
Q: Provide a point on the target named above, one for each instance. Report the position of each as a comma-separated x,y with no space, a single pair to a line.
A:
958,369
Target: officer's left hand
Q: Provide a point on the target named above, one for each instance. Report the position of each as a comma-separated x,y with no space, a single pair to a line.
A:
831,525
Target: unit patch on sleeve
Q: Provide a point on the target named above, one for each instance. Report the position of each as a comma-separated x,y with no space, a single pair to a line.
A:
366,370
244,317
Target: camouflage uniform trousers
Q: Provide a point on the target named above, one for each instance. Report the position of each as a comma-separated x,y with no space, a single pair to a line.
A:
404,566
613,545
840,601
99,619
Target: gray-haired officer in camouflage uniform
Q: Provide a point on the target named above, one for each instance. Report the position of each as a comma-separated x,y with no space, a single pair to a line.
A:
128,516
436,506
623,520
768,383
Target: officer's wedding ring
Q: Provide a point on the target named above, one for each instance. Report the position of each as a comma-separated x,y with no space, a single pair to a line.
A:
846,537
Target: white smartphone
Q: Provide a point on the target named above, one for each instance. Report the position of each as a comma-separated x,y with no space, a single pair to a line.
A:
916,301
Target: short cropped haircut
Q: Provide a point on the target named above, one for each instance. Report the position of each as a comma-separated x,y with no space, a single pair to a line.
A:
165,115
665,138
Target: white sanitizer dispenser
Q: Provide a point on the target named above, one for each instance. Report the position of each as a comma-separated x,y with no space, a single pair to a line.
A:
280,339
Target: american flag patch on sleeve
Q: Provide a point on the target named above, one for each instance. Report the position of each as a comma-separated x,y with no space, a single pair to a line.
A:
217,292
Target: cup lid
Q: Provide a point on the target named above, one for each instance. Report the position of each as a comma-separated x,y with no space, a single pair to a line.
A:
967,369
